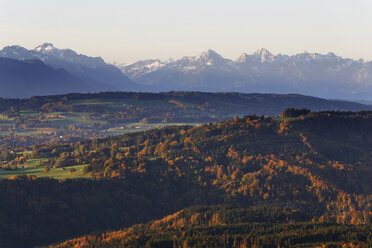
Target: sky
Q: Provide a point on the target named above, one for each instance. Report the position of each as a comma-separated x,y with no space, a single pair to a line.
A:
124,31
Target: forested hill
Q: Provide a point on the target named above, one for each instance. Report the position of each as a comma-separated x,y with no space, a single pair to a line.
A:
318,162
225,226
177,105
74,117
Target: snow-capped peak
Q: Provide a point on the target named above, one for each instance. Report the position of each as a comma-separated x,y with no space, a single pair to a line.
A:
243,58
48,47
264,55
209,55
262,51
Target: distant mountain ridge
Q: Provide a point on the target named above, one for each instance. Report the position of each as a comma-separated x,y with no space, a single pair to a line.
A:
32,77
86,68
328,76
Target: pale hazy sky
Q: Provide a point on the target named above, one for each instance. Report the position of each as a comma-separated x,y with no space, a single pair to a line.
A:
120,30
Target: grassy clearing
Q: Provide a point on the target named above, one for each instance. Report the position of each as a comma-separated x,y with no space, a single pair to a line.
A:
35,162
22,133
3,117
24,153
150,103
93,102
119,103
72,118
29,113
38,171
153,158
140,127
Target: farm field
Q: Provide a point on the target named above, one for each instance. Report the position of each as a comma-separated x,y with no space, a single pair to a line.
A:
72,117
64,120
38,171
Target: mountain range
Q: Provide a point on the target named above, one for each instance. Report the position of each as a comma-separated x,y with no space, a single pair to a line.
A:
328,75
80,73
34,78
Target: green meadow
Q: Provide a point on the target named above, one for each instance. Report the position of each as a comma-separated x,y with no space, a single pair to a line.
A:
35,169
141,127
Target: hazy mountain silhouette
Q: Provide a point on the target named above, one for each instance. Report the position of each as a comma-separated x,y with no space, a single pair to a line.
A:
32,77
86,68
